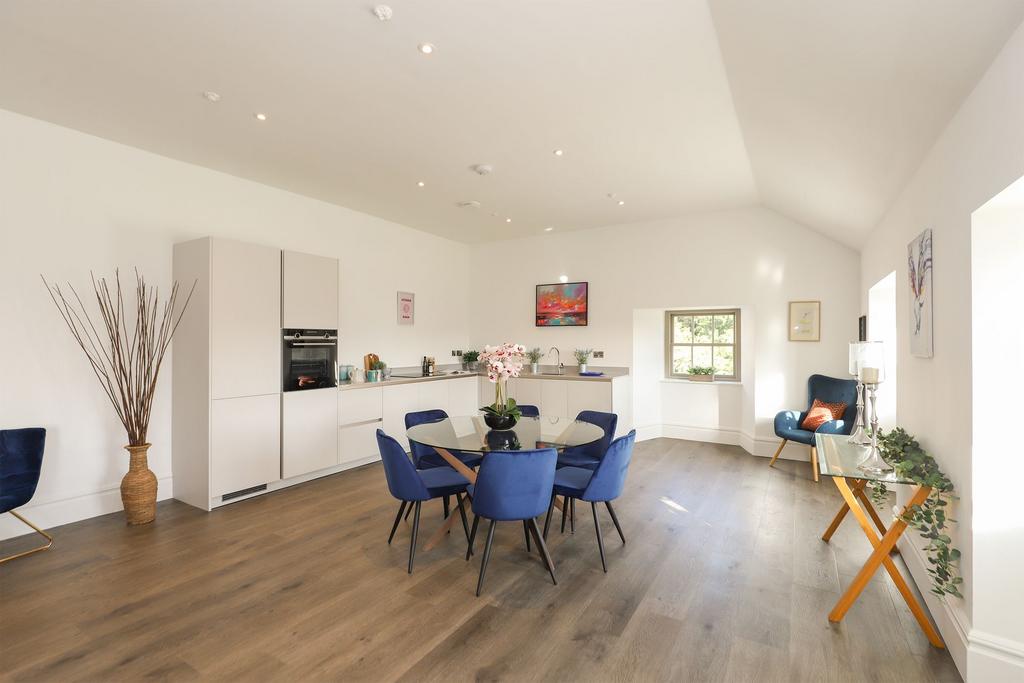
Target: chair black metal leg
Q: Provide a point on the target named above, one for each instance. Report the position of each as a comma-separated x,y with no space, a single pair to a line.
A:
415,533
462,513
472,536
600,539
487,556
398,518
547,518
407,511
572,515
615,520
548,562
565,512
526,534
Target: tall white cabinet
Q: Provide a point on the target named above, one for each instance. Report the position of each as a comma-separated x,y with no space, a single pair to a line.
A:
226,405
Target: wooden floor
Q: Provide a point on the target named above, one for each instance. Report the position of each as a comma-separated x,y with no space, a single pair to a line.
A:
724,578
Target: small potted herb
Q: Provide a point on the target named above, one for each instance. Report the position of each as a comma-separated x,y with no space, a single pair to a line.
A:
376,372
582,356
469,359
702,373
534,355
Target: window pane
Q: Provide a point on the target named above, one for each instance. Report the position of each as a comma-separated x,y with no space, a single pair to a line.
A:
725,362
702,329
702,356
681,360
725,327
681,329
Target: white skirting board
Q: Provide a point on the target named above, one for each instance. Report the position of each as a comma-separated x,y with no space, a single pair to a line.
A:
53,513
760,446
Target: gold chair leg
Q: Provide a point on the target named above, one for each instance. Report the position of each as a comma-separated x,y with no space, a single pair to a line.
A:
48,537
777,453
814,462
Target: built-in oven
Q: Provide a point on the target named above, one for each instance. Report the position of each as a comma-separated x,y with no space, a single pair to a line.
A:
310,359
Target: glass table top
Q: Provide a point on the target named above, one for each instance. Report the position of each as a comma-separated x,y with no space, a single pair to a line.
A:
471,434
837,457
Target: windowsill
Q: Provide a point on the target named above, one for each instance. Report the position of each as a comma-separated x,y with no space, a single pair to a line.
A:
729,382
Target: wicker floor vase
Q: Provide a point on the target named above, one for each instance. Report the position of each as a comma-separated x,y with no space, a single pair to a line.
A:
138,488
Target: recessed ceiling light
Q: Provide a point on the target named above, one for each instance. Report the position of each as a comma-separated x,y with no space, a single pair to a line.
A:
508,220
559,152
426,48
260,116
563,278
212,96
621,202
421,184
548,229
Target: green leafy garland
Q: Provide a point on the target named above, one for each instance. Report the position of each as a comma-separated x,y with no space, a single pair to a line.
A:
910,461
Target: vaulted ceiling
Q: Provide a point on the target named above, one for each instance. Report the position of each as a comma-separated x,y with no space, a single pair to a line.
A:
819,109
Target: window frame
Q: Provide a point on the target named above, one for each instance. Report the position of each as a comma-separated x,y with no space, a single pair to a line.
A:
670,344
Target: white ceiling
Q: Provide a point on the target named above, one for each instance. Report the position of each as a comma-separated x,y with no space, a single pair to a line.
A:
819,109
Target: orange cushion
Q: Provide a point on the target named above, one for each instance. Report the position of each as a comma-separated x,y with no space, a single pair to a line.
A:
822,412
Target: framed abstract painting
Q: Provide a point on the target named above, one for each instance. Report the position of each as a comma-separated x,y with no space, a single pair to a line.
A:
562,305
919,271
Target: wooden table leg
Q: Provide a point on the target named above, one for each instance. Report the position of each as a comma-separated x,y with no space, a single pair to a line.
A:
880,557
858,490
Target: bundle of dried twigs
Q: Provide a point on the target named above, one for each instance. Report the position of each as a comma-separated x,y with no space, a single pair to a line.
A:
125,357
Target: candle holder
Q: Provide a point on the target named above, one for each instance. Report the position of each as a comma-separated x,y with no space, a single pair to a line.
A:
859,435
874,463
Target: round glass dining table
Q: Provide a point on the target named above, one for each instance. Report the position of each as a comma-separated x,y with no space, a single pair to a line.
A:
472,435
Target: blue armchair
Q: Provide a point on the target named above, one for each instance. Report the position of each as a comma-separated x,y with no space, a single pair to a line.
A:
21,461
829,390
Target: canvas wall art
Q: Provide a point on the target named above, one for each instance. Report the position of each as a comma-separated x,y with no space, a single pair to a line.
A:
805,321
562,305
919,267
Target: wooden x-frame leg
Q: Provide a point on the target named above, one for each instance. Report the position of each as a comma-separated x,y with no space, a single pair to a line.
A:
854,496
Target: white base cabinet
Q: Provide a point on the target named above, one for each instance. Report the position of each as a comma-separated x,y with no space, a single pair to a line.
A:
309,431
568,397
244,439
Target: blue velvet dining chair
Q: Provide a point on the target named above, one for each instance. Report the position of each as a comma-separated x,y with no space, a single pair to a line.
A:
21,461
601,485
412,486
528,410
512,486
826,389
425,457
587,456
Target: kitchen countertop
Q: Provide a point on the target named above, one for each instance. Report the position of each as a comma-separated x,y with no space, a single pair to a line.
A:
453,372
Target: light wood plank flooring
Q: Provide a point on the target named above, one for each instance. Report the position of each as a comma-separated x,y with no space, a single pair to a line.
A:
724,578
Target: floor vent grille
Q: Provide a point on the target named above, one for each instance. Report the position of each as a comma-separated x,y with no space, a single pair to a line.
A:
244,492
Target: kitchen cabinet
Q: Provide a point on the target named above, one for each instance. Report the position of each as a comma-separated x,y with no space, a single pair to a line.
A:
528,391
587,396
360,415
434,395
358,443
554,397
309,431
463,398
245,443
360,405
399,400
309,291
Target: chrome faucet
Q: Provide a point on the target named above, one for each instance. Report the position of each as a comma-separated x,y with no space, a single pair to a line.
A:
558,357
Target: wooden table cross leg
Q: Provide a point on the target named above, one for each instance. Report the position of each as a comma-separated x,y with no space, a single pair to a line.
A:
858,490
880,555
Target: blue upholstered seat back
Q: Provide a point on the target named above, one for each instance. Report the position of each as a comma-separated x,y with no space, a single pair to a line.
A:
21,461
515,485
418,450
529,410
833,390
403,480
610,475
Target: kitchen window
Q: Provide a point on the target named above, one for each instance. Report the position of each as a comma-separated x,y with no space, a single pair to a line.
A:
709,338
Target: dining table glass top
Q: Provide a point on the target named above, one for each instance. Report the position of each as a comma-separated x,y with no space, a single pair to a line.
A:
472,435
837,457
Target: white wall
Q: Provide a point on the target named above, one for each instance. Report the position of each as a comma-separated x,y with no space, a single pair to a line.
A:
749,258
980,153
71,203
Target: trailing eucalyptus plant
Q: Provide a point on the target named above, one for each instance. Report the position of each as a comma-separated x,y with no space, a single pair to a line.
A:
910,461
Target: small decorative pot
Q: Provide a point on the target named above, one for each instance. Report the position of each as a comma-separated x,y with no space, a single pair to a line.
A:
700,378
535,368
500,422
373,375
138,487
502,440
583,367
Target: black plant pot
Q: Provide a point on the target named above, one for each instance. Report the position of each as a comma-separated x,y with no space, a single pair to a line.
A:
502,440
500,422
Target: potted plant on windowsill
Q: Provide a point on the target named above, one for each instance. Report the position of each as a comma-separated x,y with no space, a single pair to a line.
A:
702,373
582,356
534,355
469,359
503,363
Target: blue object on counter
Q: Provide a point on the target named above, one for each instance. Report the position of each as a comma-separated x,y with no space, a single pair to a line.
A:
591,374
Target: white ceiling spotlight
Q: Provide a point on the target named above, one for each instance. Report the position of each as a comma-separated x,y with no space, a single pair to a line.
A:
426,48
260,116
212,96
420,184
563,278
508,220
481,169
383,12
622,202
559,152
548,229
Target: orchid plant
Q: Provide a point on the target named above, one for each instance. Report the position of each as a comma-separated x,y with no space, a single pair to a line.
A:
503,363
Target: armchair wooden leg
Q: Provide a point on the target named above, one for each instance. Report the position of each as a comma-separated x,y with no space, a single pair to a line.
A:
814,462
48,537
777,453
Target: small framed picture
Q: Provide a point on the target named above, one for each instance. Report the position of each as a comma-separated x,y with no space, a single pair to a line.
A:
862,328
406,308
805,321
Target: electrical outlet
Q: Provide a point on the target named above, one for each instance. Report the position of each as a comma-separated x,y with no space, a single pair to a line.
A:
459,353
598,354
455,352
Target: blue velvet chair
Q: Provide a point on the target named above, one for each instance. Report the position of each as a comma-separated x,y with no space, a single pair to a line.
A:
829,390
528,410
590,455
412,486
21,461
513,486
425,457
601,485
